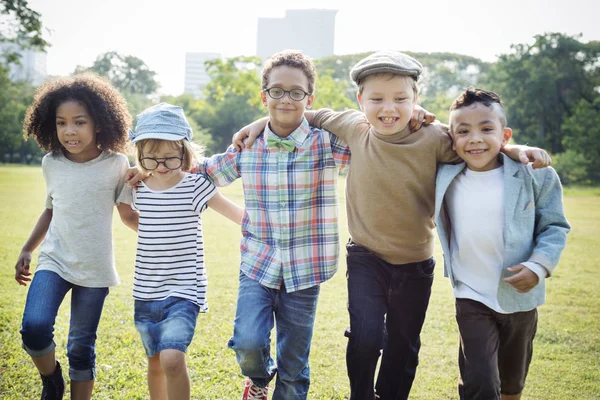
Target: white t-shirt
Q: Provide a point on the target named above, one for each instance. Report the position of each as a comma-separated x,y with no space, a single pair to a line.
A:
476,209
170,252
78,245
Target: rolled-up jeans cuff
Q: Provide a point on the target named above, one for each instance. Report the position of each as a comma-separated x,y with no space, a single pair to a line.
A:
39,353
82,376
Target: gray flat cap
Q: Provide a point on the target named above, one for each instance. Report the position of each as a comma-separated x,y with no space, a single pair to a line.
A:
393,62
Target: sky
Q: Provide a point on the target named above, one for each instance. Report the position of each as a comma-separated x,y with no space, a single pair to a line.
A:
160,32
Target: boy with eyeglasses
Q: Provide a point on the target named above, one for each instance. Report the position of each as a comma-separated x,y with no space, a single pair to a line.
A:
290,242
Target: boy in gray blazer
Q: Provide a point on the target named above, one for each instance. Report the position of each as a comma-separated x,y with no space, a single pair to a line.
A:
502,229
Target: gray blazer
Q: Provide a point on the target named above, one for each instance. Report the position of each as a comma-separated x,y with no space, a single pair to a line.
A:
535,227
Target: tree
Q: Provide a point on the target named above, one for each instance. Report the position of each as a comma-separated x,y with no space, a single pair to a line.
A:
582,139
543,84
331,92
127,73
20,25
231,99
14,99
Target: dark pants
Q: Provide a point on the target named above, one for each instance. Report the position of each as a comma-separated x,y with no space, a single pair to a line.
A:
495,350
387,305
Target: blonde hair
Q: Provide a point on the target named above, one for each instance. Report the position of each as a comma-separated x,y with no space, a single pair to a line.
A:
191,151
388,76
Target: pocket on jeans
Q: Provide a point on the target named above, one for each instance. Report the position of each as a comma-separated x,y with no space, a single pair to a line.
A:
427,268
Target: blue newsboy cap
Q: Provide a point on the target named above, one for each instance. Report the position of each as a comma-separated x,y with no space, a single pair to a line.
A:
162,121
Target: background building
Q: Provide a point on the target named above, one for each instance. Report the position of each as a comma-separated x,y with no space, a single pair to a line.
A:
196,76
32,68
310,31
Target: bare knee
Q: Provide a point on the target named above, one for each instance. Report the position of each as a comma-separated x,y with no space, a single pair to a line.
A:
154,367
173,362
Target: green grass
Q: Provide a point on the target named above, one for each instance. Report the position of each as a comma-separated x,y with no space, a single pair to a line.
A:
567,348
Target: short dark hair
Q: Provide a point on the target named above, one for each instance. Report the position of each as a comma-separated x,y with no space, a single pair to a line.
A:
293,59
481,96
102,100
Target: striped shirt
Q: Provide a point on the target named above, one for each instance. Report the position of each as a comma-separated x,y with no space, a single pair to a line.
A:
290,233
170,250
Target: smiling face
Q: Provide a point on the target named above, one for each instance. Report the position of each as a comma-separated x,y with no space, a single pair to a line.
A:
479,135
388,102
285,114
76,131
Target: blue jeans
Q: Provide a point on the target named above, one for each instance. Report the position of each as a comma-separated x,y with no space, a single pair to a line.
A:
387,305
44,297
258,308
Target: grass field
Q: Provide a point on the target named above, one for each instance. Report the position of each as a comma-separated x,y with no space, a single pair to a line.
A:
566,363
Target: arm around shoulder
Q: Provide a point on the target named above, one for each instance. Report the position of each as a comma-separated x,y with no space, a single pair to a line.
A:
340,123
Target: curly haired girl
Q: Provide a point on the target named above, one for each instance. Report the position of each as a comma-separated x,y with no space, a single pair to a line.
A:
83,122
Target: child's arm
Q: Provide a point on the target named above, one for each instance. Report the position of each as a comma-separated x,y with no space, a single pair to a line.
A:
419,118
226,208
525,154
550,235
22,273
129,217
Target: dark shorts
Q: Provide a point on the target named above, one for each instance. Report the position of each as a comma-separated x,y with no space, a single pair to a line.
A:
495,350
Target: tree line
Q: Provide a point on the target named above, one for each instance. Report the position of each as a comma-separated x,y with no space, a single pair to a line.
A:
550,88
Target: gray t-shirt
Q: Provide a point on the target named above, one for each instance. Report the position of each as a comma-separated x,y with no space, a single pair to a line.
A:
78,245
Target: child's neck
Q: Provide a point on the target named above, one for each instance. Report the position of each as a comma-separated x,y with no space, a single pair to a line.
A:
82,157
282,131
160,183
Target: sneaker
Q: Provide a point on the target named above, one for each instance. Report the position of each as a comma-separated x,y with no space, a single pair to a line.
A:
54,385
253,392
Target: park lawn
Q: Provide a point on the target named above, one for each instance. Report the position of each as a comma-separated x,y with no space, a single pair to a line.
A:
566,362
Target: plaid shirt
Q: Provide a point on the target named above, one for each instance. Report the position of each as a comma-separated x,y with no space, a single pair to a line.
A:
290,227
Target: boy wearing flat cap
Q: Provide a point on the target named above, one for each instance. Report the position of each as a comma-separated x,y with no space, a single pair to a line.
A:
390,193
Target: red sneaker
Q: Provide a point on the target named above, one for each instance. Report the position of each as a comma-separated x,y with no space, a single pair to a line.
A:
253,392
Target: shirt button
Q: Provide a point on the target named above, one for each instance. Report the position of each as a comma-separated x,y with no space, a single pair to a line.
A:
283,204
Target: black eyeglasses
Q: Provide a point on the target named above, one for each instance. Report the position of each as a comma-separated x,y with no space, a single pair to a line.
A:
172,163
294,94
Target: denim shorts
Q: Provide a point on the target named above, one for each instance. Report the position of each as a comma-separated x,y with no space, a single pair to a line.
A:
165,324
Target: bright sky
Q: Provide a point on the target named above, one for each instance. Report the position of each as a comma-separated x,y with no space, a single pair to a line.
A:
160,32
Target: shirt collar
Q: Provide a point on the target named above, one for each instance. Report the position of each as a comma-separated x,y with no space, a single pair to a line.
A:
298,135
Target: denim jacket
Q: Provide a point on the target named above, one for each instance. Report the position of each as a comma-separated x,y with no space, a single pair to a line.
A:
535,227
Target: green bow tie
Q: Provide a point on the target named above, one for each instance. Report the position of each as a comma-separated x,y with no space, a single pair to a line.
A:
286,143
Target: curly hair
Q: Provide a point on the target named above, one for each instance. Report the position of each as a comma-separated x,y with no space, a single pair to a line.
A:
293,59
103,101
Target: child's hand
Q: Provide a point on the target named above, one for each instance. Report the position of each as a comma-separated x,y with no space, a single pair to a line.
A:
524,280
420,117
134,175
539,157
251,132
22,274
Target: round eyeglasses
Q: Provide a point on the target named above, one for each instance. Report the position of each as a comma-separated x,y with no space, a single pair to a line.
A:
172,163
294,94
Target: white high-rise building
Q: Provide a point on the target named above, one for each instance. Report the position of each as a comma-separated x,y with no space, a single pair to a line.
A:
311,31
196,76
32,68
